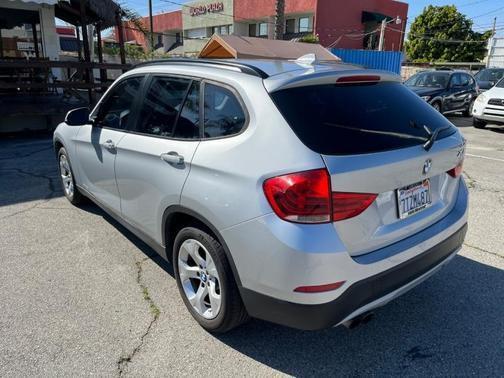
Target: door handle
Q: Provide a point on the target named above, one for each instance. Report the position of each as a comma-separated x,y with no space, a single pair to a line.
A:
109,145
172,157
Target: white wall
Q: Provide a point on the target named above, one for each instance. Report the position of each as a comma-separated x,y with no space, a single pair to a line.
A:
496,53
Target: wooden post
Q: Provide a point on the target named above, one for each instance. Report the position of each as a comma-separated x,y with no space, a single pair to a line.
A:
35,40
1,44
103,72
79,47
121,39
87,55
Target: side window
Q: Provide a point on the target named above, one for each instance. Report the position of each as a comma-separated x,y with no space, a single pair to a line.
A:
188,122
224,115
464,80
455,80
115,110
161,106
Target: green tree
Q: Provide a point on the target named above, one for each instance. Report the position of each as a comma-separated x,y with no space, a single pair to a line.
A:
444,34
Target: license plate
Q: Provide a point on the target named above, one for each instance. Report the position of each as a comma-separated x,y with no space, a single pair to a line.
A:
414,198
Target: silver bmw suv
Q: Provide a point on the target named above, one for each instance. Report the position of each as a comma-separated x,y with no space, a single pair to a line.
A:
302,194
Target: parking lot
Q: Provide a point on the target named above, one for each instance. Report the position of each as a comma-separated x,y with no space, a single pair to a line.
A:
80,295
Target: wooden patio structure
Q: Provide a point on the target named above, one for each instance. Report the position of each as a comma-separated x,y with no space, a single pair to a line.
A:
35,75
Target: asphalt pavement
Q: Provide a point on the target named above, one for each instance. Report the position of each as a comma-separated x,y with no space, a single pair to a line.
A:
80,295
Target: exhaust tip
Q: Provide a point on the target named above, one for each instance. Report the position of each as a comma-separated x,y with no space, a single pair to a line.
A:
359,320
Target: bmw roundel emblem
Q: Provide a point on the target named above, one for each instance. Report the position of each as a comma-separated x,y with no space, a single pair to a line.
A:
427,166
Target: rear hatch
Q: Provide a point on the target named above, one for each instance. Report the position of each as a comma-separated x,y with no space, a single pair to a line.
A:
373,134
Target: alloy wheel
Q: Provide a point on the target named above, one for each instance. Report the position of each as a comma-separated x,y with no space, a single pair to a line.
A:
199,278
66,176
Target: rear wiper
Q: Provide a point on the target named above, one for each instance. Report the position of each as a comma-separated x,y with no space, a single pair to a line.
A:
432,135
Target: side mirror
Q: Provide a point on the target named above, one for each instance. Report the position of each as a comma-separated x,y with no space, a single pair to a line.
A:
77,117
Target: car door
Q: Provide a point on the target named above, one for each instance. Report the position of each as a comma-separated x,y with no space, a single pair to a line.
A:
156,154
97,144
459,92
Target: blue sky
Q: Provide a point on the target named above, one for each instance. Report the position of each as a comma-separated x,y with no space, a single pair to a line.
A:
481,11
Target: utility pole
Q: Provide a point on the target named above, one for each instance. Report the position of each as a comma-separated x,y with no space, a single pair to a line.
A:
279,19
151,26
381,46
490,43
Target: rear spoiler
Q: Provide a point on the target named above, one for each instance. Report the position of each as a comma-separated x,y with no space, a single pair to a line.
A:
341,77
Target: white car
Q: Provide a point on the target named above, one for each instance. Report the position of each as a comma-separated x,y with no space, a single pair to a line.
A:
489,106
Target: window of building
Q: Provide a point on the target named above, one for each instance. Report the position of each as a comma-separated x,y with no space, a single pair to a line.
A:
290,25
114,111
161,106
224,115
304,24
252,30
263,29
224,30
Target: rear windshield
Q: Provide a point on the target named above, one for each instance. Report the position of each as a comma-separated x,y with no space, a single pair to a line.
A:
357,119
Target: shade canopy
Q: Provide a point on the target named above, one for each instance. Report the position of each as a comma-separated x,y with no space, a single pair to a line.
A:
50,2
97,11
232,46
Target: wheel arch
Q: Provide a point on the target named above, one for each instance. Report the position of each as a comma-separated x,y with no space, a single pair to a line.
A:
176,217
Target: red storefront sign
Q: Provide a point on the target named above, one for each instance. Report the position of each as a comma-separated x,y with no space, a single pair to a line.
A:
209,8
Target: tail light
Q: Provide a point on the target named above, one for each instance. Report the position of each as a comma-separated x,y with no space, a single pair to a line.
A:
456,171
358,79
349,205
305,197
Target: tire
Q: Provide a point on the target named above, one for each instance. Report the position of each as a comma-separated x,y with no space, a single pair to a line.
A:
468,112
205,279
437,106
479,124
70,190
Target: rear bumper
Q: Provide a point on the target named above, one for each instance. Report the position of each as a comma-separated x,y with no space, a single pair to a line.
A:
359,295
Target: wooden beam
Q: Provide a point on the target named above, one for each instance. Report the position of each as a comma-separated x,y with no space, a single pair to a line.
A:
1,44
122,51
85,41
79,46
35,39
61,84
103,72
61,64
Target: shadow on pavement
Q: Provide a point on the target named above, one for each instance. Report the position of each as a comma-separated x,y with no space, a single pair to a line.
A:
451,324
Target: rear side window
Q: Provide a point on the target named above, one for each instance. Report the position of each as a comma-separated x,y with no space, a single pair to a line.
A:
161,106
188,122
357,119
224,115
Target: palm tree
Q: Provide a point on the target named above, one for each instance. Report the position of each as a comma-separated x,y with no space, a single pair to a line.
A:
279,19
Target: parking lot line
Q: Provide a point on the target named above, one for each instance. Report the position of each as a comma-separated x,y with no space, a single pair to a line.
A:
485,157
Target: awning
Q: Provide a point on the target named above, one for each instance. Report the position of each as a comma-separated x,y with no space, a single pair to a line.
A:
374,17
50,2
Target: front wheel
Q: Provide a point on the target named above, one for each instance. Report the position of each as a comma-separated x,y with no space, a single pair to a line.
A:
437,106
205,281
479,124
67,178
468,112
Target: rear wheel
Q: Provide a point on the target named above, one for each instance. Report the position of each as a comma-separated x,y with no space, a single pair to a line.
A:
67,178
479,124
205,281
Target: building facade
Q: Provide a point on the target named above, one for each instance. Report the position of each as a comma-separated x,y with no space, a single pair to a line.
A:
338,23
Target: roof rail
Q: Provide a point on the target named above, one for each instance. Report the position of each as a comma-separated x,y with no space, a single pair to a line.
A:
243,67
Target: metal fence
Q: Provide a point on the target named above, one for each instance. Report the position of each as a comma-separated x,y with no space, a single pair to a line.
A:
379,60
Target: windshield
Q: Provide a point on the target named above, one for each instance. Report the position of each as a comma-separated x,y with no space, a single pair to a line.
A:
500,84
429,80
490,75
357,119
